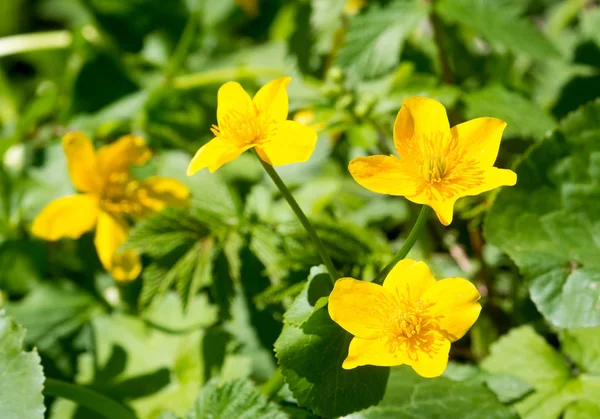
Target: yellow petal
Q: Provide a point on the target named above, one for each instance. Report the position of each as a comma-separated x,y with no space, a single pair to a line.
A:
271,101
443,207
410,279
70,216
372,352
126,151
383,174
493,179
215,154
418,116
291,143
432,363
481,138
126,266
158,192
81,160
232,98
360,307
111,233
455,301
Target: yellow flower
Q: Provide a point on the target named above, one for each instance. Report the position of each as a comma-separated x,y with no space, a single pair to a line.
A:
437,164
410,319
353,7
259,123
110,196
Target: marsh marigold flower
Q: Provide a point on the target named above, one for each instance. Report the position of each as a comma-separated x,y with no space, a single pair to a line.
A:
259,123
437,164
110,196
410,319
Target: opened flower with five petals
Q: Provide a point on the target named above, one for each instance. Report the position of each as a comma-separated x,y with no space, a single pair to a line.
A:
110,196
410,319
437,164
260,123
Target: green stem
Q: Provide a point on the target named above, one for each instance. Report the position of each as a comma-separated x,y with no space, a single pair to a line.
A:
408,244
438,37
205,78
272,386
17,44
182,48
87,398
303,219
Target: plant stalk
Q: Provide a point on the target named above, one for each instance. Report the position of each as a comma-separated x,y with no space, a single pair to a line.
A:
408,244
272,386
302,217
87,398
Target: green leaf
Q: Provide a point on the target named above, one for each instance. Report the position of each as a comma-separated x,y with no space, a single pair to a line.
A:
547,223
235,399
149,369
410,396
311,356
527,356
582,346
524,117
500,23
21,375
312,298
167,313
51,312
373,42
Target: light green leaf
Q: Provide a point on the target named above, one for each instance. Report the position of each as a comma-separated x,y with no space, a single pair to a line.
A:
582,346
373,42
21,375
410,396
527,356
167,313
236,399
547,223
524,117
142,366
311,356
500,23
52,311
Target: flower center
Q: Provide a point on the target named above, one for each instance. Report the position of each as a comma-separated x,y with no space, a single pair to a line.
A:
412,330
120,195
242,128
433,170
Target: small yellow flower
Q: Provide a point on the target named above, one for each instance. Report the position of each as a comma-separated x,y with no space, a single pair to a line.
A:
353,7
110,197
410,319
259,123
437,164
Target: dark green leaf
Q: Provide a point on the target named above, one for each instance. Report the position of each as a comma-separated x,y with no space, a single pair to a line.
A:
410,396
311,356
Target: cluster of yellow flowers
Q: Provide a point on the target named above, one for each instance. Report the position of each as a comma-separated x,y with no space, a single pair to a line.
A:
410,319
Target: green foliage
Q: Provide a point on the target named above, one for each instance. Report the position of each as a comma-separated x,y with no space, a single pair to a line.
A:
234,399
500,23
547,222
233,276
310,351
21,375
409,396
374,40
526,355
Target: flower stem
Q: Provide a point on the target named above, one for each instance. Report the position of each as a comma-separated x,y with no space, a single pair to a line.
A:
303,219
408,244
87,398
438,37
272,386
182,48
38,41
208,77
